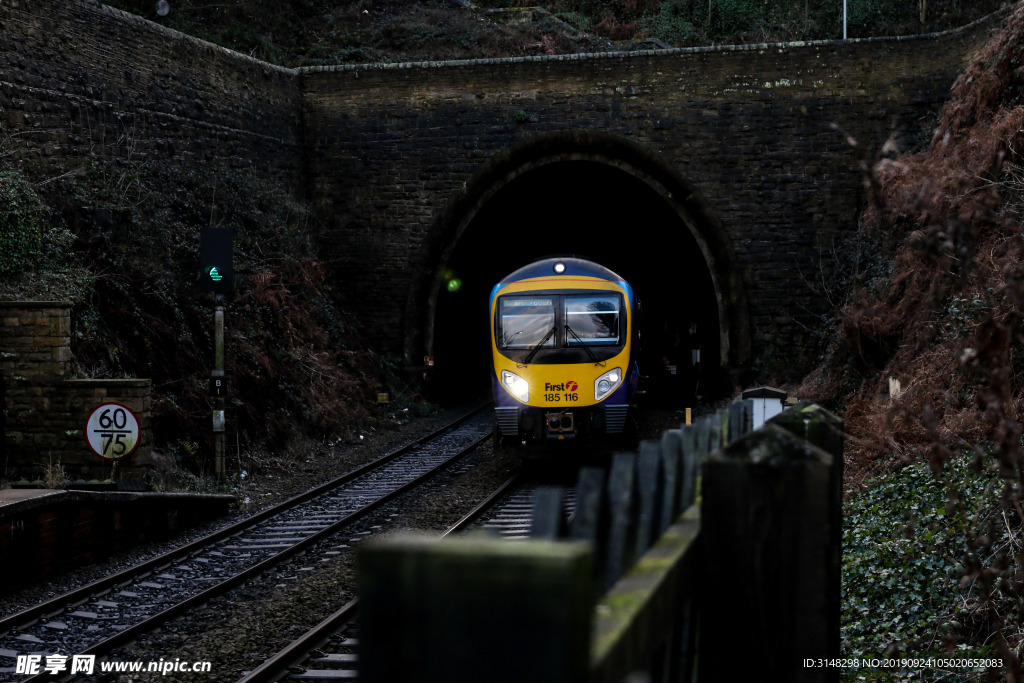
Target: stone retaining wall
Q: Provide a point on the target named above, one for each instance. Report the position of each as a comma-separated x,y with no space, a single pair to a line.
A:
46,409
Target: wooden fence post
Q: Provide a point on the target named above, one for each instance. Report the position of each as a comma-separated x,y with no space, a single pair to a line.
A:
672,469
474,609
623,501
590,520
741,418
651,489
825,430
547,518
764,528
693,455
722,416
714,431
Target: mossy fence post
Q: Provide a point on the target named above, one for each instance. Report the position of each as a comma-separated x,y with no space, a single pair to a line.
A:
766,526
474,609
824,429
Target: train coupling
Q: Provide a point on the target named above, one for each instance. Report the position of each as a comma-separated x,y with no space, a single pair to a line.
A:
560,425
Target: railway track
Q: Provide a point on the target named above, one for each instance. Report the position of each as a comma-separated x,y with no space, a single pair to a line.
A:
117,609
329,651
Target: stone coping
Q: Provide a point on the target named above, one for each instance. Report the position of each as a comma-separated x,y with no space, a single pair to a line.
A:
13,501
36,304
300,70
111,382
627,54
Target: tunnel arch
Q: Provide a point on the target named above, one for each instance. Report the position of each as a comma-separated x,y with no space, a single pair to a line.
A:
535,169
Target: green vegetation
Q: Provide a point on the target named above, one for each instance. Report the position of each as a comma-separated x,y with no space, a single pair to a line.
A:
37,259
119,241
309,32
21,224
911,583
925,360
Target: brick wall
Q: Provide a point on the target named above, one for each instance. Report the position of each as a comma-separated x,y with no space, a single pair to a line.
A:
79,80
391,152
752,129
35,354
46,410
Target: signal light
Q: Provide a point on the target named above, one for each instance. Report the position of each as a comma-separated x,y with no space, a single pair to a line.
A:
216,263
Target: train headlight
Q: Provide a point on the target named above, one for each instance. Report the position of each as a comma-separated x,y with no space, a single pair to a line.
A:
607,383
516,385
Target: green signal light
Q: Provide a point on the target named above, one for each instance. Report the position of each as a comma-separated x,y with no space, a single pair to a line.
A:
215,274
454,285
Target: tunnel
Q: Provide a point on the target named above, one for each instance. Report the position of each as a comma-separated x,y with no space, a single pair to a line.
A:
608,213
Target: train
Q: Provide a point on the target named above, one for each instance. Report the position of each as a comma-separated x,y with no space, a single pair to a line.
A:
564,345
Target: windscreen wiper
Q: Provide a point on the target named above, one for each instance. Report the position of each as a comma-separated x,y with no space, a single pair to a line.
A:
535,349
590,352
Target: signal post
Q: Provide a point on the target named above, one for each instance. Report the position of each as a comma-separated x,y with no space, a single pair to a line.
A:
217,275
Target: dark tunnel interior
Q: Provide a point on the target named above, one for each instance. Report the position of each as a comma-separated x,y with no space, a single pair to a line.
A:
607,215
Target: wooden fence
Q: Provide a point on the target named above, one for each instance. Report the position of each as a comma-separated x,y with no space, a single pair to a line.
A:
712,555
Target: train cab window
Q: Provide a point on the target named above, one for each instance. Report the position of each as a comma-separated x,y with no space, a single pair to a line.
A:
592,319
526,322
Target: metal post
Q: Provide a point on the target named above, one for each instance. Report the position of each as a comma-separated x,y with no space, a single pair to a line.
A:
844,19
218,401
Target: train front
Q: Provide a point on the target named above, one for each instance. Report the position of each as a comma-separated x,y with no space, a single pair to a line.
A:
562,346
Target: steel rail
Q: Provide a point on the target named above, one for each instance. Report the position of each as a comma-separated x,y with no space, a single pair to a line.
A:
59,604
298,650
133,632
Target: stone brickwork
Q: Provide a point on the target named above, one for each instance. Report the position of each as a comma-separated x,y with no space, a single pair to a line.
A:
36,342
80,80
46,411
751,142
760,134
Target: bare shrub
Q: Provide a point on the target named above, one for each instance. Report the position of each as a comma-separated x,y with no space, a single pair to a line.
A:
612,28
54,476
948,322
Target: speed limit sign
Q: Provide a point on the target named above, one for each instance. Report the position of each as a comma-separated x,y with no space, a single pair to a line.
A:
112,431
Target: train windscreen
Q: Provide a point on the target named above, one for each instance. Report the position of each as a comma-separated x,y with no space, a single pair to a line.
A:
526,323
592,319
585,319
